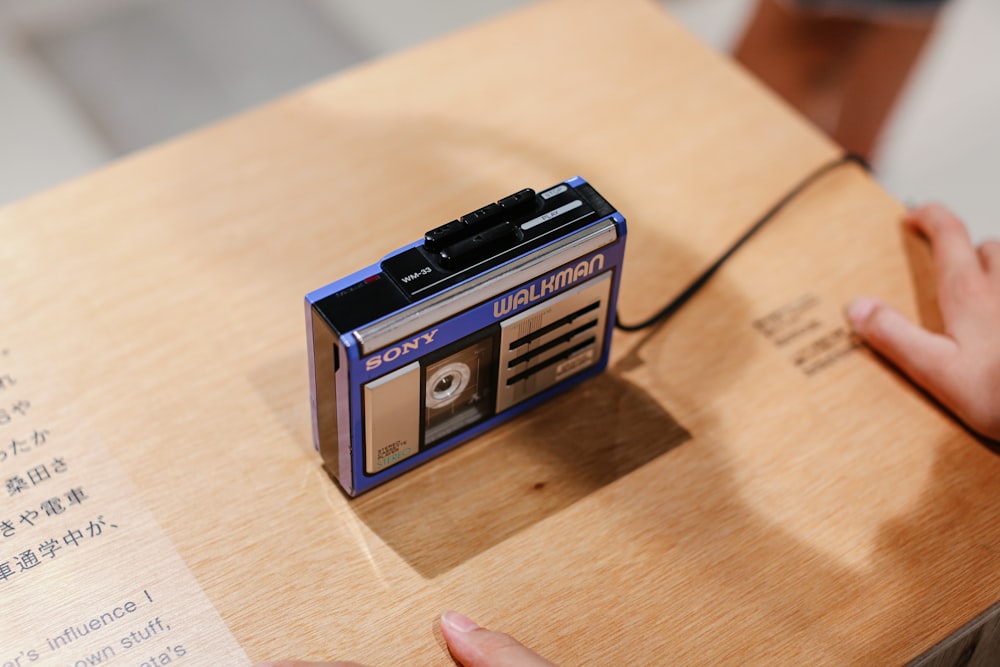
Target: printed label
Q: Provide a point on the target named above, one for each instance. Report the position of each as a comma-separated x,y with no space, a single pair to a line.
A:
87,577
799,326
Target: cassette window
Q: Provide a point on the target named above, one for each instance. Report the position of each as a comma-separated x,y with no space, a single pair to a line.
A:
459,388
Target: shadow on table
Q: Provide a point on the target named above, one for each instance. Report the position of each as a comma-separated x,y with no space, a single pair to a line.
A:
438,516
475,497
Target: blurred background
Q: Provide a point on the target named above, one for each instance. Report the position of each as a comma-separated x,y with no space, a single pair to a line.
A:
83,82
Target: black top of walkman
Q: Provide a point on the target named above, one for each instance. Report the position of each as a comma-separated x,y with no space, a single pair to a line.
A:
463,248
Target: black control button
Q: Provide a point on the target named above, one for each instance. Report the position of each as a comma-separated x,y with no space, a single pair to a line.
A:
484,244
519,202
482,217
445,235
466,226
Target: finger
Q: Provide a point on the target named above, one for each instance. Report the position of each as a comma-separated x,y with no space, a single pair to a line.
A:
926,357
950,242
474,646
989,257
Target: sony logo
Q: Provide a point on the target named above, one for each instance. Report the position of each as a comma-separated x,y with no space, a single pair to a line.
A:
549,285
397,351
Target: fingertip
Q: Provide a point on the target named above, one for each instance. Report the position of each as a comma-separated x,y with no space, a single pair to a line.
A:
884,329
879,325
464,638
928,210
931,217
921,354
911,221
938,219
918,218
452,620
475,646
859,310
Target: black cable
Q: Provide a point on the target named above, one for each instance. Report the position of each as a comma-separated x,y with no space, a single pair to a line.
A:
671,308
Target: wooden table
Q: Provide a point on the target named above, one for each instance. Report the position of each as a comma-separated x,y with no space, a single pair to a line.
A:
745,485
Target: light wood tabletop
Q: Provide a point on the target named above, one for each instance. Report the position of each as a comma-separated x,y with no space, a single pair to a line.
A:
744,485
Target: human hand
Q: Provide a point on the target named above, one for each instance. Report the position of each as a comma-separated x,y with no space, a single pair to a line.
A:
961,367
470,644
474,646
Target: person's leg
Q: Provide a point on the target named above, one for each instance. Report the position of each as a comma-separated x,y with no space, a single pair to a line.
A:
844,73
875,73
799,55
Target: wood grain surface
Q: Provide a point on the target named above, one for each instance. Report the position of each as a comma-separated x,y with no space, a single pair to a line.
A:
745,485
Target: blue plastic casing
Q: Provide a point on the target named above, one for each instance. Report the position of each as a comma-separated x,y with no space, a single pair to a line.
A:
340,365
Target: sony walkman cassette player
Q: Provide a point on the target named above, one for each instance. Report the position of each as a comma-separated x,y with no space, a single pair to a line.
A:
485,317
